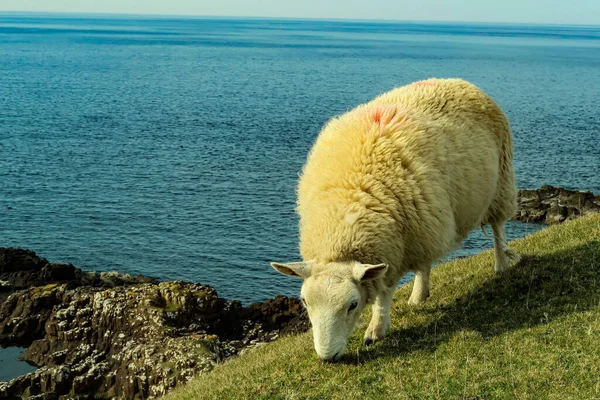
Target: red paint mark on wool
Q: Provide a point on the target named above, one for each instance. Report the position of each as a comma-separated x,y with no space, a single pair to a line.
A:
383,115
377,115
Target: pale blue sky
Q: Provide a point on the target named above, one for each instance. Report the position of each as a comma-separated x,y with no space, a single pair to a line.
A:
536,11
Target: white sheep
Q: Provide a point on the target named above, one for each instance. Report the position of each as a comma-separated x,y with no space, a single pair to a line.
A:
391,187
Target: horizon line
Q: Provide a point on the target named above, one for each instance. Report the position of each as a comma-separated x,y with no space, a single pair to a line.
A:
257,17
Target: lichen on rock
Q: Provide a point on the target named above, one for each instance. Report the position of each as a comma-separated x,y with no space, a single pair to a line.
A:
113,336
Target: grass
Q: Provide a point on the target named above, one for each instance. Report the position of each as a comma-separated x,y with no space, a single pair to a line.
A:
530,333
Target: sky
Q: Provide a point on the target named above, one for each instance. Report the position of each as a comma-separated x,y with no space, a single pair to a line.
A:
586,12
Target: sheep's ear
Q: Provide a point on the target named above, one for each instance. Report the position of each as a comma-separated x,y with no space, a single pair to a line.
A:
298,269
367,272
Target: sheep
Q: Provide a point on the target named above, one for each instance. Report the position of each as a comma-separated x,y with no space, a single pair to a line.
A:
390,187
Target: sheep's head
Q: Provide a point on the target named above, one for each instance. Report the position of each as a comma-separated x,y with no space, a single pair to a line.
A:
334,295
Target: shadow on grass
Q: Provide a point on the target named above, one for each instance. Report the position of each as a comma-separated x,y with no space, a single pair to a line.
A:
531,293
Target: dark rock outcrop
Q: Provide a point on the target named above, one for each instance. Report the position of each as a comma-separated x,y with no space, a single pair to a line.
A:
22,269
118,336
551,205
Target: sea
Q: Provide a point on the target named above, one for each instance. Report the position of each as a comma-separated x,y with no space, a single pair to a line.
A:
171,146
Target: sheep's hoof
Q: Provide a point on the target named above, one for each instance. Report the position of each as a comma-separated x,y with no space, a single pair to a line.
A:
418,299
499,269
415,302
512,255
375,335
503,261
371,340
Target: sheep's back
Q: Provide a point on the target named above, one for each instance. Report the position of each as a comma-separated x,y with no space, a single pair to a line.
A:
419,163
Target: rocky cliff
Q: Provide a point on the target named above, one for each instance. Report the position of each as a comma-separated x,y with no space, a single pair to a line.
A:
113,335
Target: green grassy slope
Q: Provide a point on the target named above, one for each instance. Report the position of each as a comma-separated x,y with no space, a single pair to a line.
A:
530,333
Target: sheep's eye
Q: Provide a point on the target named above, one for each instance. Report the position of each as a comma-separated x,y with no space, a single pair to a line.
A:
353,306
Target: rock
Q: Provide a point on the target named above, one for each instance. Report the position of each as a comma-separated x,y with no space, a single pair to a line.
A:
118,336
552,205
23,317
18,260
281,313
21,269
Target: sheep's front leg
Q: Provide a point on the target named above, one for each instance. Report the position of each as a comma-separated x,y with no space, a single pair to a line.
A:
380,322
420,291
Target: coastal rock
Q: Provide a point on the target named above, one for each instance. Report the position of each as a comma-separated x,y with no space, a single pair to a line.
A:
21,269
117,336
552,205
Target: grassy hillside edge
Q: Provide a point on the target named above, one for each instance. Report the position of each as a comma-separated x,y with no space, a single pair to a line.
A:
530,333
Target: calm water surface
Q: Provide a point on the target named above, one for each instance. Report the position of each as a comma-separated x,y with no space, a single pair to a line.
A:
171,147
9,366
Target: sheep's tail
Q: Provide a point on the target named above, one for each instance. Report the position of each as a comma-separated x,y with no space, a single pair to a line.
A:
484,231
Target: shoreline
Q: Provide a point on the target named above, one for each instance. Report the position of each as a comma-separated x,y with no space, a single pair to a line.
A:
120,335
92,333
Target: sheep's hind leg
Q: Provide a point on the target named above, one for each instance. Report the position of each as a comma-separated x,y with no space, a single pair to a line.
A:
380,322
420,291
502,253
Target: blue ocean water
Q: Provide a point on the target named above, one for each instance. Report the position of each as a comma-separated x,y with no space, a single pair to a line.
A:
10,368
171,146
